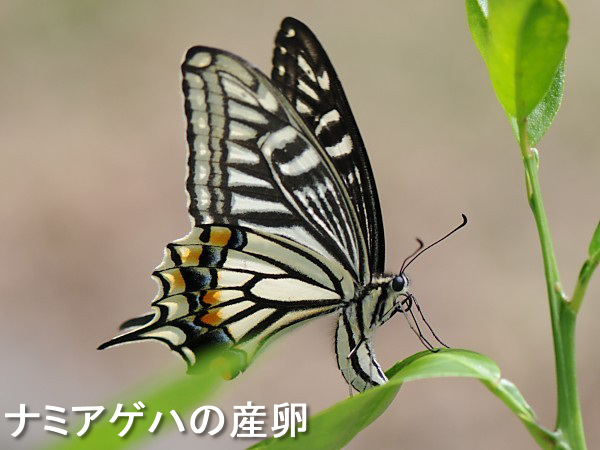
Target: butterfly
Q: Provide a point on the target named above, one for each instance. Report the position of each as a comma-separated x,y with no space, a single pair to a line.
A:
286,222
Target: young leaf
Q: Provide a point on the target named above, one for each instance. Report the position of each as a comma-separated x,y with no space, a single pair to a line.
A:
477,14
540,119
522,43
540,49
336,426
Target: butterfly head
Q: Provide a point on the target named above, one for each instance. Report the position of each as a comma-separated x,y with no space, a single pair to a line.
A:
399,291
399,284
394,296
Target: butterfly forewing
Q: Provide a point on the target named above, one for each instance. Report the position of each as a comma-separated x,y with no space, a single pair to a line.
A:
252,162
303,72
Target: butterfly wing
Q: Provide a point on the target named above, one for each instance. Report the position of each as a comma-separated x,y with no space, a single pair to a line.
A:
233,288
253,162
304,73
275,239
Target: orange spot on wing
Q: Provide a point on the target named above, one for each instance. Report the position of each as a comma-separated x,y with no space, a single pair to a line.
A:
190,255
219,236
212,297
211,318
175,280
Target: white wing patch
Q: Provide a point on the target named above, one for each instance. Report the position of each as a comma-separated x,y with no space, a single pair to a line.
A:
323,80
303,107
239,111
304,162
239,329
172,334
306,68
307,90
332,116
238,154
240,131
201,59
239,178
290,290
241,204
342,148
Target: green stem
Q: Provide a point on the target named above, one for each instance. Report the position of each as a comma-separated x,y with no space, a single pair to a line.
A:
569,423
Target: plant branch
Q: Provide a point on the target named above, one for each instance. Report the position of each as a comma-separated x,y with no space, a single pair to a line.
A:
569,422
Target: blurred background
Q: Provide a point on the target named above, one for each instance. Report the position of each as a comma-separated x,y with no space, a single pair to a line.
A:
92,163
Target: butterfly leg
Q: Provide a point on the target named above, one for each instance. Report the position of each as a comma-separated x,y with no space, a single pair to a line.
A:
416,330
362,339
427,323
370,363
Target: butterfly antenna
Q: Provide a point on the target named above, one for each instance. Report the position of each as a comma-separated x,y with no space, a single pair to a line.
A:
421,245
427,323
422,250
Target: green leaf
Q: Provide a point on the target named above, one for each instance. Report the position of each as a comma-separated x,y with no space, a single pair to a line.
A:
336,426
445,363
541,48
522,43
182,394
540,119
477,12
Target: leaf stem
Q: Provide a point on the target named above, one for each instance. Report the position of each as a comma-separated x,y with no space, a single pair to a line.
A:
569,423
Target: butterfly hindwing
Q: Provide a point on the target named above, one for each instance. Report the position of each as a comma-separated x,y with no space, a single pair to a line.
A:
304,73
235,288
253,162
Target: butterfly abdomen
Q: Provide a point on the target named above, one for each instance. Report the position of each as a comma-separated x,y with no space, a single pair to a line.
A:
356,325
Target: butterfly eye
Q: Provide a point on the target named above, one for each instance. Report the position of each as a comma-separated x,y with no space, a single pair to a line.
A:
399,283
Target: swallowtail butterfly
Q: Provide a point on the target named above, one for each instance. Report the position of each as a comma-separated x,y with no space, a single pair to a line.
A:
286,223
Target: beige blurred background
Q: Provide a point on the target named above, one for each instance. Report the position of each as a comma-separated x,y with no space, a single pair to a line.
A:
92,152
